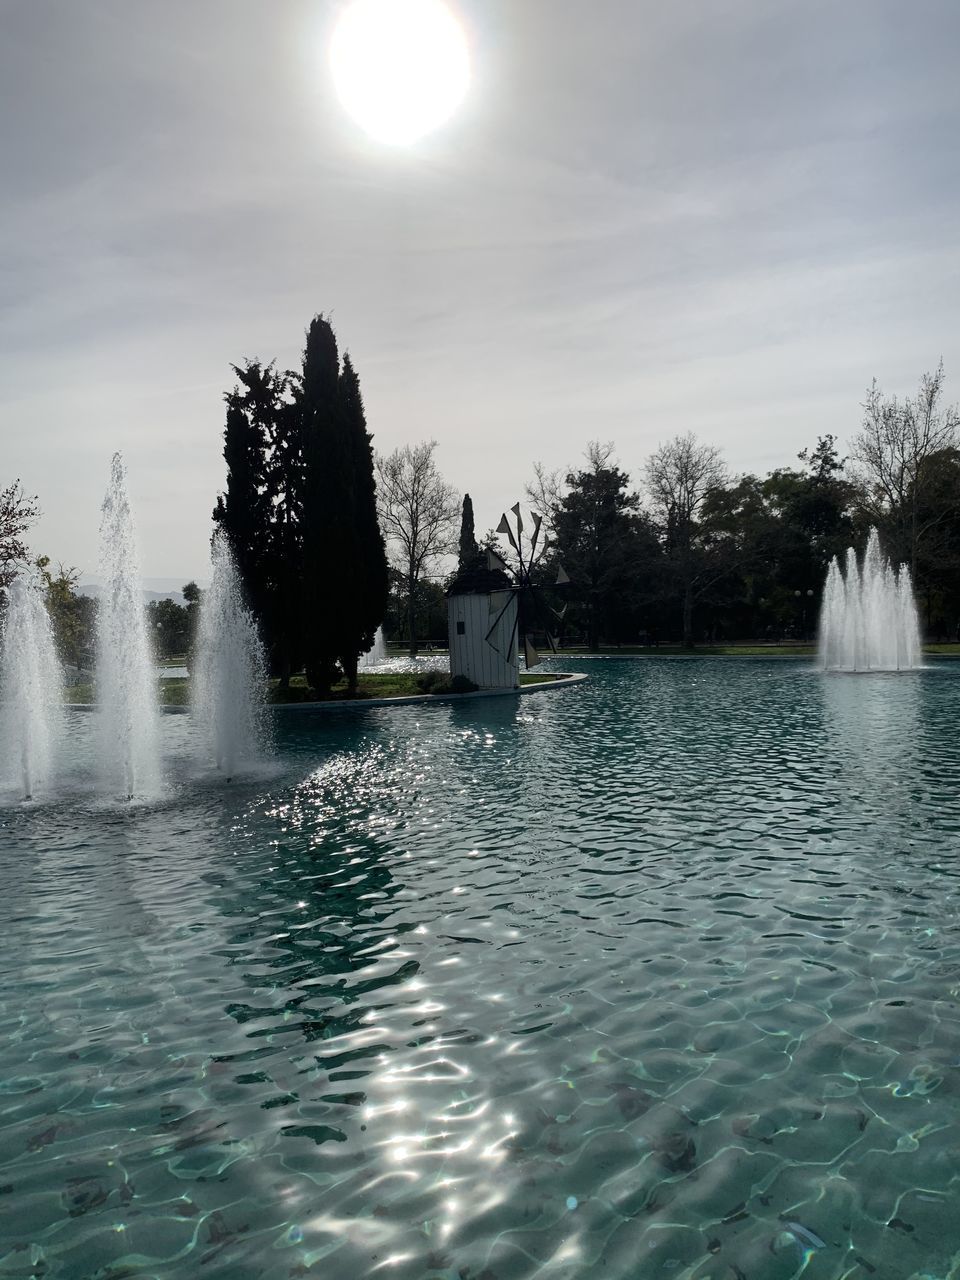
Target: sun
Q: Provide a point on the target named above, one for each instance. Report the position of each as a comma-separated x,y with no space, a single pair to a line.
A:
400,67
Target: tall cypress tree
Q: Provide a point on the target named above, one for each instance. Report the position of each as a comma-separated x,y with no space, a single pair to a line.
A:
285,535
345,571
327,494
469,551
369,557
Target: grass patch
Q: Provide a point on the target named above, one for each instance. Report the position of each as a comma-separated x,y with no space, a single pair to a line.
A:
82,693
732,651
699,651
175,691
389,685
393,684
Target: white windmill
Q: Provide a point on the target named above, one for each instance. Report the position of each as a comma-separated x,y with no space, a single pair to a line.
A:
489,607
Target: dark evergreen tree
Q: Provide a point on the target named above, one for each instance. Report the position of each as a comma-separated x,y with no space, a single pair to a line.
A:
191,598
242,508
284,533
300,510
937,582
606,547
369,579
327,502
259,509
344,563
168,625
469,550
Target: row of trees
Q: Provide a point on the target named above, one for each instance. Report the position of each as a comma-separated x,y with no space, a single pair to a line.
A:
685,552
693,553
73,617
72,614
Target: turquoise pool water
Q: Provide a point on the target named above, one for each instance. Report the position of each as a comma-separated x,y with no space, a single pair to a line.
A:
655,976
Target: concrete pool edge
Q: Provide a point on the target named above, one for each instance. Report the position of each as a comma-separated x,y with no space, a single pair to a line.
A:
563,680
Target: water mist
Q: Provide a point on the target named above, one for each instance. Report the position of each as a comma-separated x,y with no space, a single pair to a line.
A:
31,690
230,670
376,654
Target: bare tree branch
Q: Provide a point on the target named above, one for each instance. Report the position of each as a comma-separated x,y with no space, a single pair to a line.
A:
892,454
679,478
543,493
419,515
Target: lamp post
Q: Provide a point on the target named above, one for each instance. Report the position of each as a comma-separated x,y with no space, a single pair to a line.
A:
803,600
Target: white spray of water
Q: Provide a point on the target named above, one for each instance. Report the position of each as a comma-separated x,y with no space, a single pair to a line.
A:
228,684
868,620
376,654
31,690
126,680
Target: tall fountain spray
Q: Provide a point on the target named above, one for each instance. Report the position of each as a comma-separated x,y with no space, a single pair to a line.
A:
376,654
126,679
31,690
230,668
868,620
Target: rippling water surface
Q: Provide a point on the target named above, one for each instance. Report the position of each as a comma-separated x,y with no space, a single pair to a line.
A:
655,976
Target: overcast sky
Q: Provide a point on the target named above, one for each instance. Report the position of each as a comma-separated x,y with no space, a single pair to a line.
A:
726,216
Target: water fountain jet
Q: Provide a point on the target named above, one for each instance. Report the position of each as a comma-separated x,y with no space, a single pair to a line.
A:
376,654
126,679
868,619
230,668
31,688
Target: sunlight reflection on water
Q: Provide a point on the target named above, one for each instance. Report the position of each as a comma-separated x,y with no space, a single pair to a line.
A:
658,972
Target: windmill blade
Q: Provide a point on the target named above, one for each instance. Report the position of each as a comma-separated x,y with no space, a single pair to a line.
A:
516,511
530,654
560,613
539,610
562,576
512,642
496,622
504,527
495,560
537,522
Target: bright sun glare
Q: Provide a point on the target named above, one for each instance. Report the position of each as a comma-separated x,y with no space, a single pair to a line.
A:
400,67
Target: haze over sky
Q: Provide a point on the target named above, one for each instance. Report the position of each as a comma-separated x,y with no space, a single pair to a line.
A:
726,216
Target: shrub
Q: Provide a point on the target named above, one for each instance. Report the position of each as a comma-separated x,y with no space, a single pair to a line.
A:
440,682
433,682
462,684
